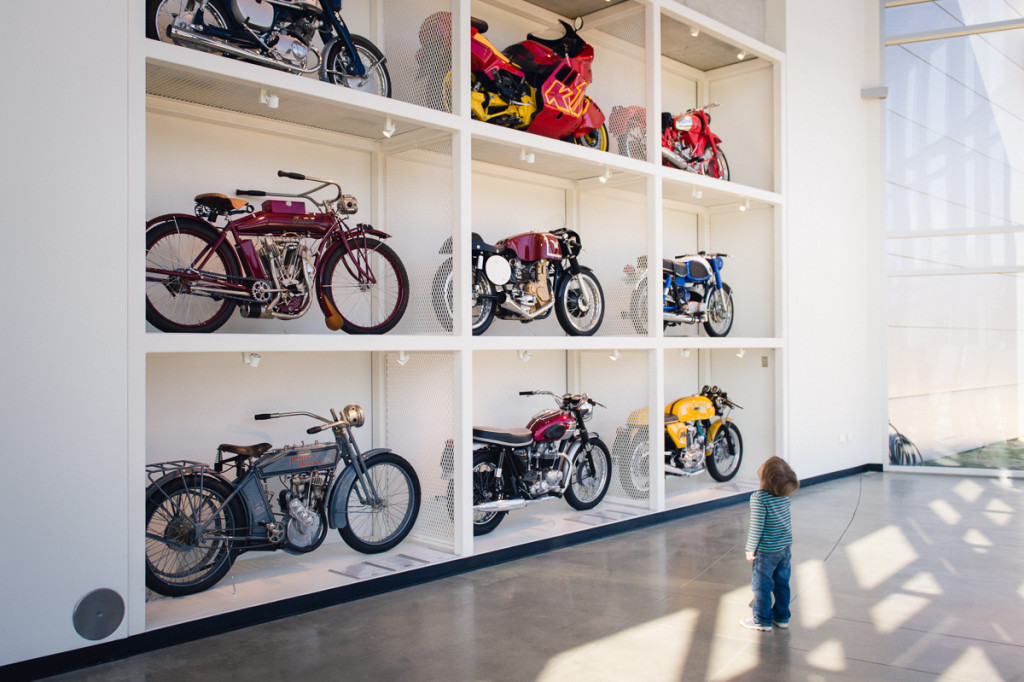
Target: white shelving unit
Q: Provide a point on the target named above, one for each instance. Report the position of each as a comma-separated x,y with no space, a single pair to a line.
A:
202,128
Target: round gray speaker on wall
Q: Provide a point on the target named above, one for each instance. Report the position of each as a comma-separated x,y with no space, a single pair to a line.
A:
98,614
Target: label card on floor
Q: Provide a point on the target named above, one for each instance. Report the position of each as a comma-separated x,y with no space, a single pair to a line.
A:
602,516
362,571
397,563
427,555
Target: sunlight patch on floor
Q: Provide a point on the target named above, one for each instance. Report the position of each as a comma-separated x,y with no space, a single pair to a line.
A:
891,612
829,655
945,511
877,557
923,583
973,664
968,490
811,585
977,538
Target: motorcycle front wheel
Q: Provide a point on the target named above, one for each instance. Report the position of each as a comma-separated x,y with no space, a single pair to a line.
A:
180,245
178,560
595,139
377,80
368,285
486,488
371,528
483,302
590,476
720,312
161,13
726,453
718,167
579,303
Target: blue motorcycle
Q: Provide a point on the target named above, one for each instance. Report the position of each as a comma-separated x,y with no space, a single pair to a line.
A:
693,293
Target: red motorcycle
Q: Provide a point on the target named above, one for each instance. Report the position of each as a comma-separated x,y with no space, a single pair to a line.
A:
537,85
271,263
554,456
686,140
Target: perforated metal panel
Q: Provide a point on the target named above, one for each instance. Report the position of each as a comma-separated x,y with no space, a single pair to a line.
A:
420,426
622,385
419,215
417,43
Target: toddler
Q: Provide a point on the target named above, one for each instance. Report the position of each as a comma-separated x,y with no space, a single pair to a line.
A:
768,545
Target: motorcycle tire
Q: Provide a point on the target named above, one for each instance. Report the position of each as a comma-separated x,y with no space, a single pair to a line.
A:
369,530
169,306
194,564
378,79
483,308
633,455
718,167
366,308
590,476
718,325
160,14
442,295
595,139
726,453
577,320
484,465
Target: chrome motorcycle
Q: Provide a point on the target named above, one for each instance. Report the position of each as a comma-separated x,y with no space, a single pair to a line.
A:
280,34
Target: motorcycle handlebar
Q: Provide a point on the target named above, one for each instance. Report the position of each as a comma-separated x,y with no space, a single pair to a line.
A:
315,429
288,174
250,193
262,416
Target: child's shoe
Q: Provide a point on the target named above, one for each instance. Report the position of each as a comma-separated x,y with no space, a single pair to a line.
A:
752,624
783,624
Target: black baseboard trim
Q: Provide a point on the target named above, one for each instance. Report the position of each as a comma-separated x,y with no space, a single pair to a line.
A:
254,615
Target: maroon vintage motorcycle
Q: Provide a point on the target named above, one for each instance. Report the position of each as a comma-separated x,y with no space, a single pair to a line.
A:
554,456
272,263
686,140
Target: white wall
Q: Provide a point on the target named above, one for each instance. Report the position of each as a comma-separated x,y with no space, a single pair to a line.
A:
836,383
64,349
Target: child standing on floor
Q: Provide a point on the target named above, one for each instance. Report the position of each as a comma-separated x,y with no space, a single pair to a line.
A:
768,545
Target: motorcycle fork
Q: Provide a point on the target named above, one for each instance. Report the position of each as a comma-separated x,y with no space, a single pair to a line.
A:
358,265
364,486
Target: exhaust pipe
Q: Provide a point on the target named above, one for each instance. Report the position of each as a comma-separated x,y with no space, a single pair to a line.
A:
185,36
507,505
509,304
674,159
688,319
676,471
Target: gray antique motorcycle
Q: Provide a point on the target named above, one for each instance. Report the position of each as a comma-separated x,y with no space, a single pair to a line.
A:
198,520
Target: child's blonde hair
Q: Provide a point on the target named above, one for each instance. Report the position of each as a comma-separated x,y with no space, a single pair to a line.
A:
778,478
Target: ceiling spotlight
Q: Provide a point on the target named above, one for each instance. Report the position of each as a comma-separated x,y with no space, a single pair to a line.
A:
606,175
741,352
403,357
251,359
615,355
271,101
741,55
694,31
684,352
389,128
524,355
526,156
696,193
745,206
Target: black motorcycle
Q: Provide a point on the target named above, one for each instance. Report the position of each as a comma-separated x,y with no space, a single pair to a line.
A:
198,520
275,33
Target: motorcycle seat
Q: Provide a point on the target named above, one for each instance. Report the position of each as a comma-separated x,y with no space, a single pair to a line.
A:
516,438
691,269
220,202
479,24
670,419
245,450
479,245
524,60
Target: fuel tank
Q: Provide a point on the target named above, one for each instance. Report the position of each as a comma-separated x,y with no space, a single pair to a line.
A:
692,408
276,222
550,425
533,246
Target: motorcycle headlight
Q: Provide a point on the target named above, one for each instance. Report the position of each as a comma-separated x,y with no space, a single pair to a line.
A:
353,414
587,410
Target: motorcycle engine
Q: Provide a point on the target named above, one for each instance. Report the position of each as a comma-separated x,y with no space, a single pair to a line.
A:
292,50
542,482
530,284
538,287
303,527
289,265
253,13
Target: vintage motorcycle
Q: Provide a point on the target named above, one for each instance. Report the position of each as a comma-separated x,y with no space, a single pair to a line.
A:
554,456
522,278
198,520
699,436
274,33
693,293
272,266
686,140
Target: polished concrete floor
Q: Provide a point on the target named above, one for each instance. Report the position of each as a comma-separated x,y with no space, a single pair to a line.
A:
896,577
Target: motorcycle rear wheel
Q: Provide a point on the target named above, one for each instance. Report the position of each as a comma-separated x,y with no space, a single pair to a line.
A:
595,139
160,14
372,529
726,453
176,245
173,511
590,476
367,307
483,302
486,488
378,79
720,312
580,312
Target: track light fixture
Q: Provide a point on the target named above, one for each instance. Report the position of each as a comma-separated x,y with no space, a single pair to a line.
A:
745,206
271,101
251,359
606,175
524,355
694,31
615,355
684,352
741,352
389,128
526,156
403,357
696,193
741,55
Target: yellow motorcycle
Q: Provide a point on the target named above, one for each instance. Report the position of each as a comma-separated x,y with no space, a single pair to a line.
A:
699,436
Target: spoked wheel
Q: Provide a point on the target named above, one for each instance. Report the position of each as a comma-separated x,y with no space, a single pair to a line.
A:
338,62
726,453
580,303
486,488
718,167
442,294
188,530
173,303
595,139
634,468
160,14
368,285
372,527
483,302
720,312
591,474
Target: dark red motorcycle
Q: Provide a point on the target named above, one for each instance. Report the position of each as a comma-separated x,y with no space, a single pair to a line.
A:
272,263
686,140
554,456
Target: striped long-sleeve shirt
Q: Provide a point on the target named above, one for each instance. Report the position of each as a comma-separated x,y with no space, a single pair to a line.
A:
771,529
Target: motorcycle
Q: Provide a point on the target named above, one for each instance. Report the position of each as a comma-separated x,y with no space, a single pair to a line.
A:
276,260
537,85
686,140
554,456
522,278
198,520
693,293
274,33
699,436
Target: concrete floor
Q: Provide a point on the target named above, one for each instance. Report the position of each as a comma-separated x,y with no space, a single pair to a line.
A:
896,577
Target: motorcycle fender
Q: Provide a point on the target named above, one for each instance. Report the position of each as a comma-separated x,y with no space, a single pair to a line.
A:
591,119
339,493
185,216
252,500
716,426
333,318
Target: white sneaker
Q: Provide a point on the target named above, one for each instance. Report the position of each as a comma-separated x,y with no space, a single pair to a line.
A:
781,624
752,624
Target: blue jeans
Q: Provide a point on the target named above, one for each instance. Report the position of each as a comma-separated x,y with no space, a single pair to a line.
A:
771,578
